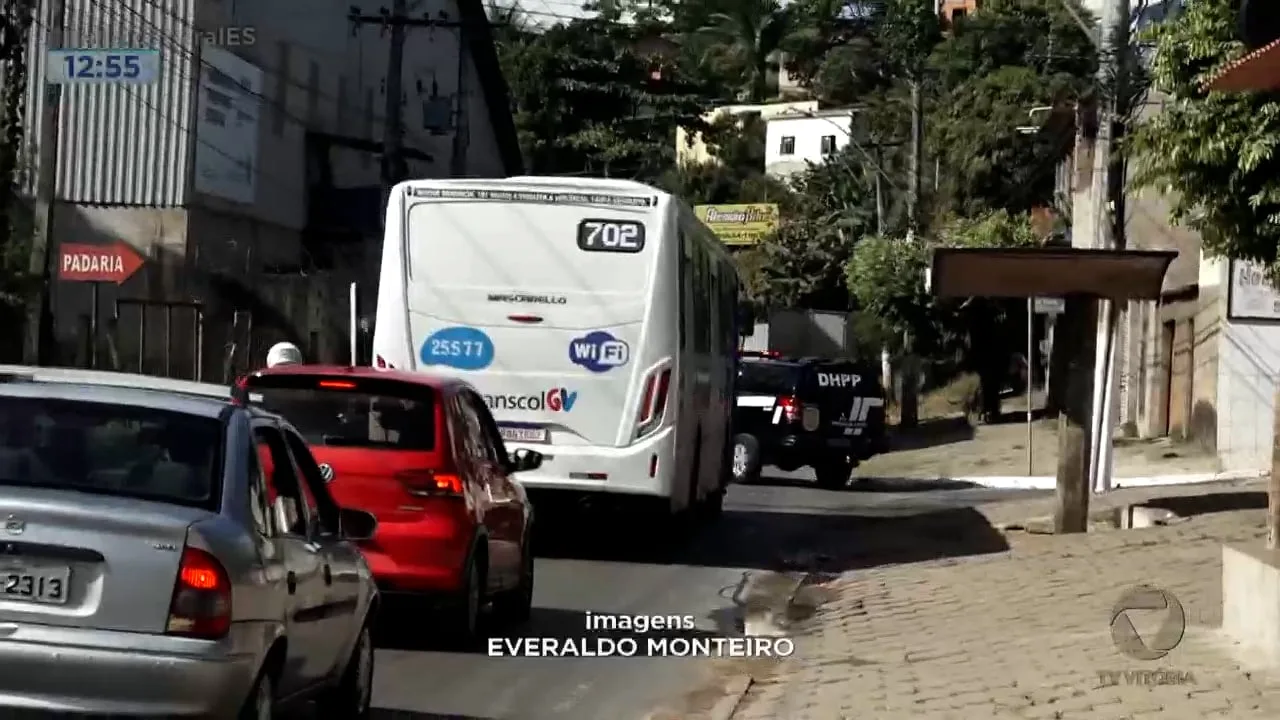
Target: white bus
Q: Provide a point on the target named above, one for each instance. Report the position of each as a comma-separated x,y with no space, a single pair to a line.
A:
596,317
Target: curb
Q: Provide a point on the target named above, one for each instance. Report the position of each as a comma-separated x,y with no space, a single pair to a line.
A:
735,691
1048,482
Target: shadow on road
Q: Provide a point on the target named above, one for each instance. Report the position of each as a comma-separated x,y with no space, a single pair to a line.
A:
932,433
1189,505
785,541
385,714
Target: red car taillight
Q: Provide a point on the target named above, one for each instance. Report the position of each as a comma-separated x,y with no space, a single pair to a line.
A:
429,483
201,604
791,408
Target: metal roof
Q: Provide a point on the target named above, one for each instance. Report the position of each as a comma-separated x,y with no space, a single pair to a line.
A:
1259,70
1049,272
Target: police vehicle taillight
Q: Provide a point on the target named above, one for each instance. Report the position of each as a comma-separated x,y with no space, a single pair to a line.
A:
791,408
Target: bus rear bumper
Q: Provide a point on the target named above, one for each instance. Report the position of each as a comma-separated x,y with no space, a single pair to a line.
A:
646,468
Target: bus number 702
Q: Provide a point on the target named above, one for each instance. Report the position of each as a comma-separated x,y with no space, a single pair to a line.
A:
611,236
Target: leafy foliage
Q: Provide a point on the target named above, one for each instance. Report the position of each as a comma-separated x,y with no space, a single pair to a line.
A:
1214,154
737,145
587,101
17,282
886,276
995,67
833,210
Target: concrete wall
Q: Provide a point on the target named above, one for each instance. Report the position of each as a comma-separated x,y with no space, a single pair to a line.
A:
1248,371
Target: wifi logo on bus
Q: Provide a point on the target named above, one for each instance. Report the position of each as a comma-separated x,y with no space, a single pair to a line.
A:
599,351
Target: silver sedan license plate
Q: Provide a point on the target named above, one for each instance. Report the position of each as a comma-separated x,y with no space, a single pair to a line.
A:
48,584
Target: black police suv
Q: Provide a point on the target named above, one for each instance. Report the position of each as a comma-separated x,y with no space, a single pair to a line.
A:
792,412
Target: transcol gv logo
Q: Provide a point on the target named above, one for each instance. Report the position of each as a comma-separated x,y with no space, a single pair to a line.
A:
553,400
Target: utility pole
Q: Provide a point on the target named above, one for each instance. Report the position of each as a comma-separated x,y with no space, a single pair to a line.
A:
917,156
39,340
396,21
458,167
1078,327
393,165
879,194
1083,354
1109,191
910,411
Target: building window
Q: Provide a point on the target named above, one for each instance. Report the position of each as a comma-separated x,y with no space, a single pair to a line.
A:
958,14
788,145
828,144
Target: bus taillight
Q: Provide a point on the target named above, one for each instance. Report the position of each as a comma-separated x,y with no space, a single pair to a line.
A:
653,402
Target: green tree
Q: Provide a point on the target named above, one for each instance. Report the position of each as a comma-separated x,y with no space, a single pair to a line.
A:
745,38
586,101
990,163
833,50
986,75
886,277
736,174
802,264
1214,154
18,285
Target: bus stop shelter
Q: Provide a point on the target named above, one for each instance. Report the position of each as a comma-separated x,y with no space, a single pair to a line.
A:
1083,277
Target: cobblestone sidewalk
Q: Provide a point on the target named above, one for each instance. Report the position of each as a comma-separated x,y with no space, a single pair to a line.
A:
1023,635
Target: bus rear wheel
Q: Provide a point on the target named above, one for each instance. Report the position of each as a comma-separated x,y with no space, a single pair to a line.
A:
746,460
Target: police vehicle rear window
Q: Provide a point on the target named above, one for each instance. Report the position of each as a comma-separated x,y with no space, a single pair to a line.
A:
764,377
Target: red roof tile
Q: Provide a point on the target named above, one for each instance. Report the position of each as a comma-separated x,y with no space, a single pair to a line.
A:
1259,70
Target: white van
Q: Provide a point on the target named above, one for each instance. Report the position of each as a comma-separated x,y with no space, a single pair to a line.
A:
596,317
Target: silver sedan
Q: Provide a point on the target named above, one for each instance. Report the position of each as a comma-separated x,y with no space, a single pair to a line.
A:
150,567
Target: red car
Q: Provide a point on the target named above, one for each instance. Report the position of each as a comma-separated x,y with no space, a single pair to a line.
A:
425,457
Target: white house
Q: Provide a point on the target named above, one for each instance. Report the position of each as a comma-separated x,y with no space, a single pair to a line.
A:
691,149
796,138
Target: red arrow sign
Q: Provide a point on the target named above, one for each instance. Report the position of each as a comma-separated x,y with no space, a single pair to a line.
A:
113,263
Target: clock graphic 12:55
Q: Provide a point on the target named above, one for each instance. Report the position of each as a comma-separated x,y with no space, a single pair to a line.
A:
133,67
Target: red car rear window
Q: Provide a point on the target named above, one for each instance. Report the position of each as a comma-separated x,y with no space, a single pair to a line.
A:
352,412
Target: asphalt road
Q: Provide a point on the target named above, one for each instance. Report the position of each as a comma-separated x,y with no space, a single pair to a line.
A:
783,524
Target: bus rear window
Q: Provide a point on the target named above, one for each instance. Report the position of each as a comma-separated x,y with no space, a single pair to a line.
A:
346,412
